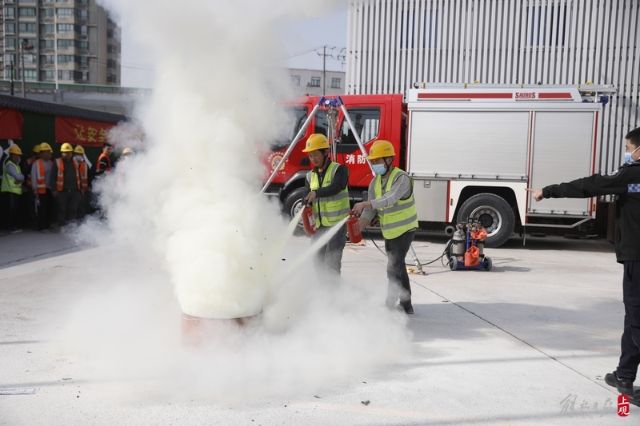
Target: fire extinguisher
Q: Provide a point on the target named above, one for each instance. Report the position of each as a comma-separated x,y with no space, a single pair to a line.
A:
353,229
307,220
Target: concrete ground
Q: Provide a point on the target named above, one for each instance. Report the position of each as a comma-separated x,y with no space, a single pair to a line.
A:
527,343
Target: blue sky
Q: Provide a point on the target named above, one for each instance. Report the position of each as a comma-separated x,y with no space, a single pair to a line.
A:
301,38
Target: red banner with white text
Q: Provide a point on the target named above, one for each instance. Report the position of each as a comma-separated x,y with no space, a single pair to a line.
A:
82,132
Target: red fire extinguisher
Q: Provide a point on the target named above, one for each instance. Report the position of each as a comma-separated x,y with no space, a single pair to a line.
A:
353,229
307,221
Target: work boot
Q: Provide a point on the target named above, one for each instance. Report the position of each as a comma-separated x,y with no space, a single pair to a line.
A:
623,385
407,306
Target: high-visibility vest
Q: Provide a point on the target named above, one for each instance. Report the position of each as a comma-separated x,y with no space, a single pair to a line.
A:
328,211
83,175
400,217
60,175
103,156
9,184
40,177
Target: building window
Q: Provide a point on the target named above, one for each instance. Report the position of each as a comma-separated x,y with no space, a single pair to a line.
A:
27,27
10,43
47,75
84,61
65,59
83,44
315,82
46,44
366,121
62,28
46,12
9,12
26,11
9,28
335,82
46,28
30,74
64,43
65,12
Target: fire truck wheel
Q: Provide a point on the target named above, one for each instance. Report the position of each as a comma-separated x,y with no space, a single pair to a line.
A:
493,213
293,201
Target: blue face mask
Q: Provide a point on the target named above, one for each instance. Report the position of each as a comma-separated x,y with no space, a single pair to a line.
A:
628,156
379,169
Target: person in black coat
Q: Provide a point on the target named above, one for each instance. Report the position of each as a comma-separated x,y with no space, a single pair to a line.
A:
625,184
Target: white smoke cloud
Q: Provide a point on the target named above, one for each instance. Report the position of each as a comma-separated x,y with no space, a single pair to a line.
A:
185,213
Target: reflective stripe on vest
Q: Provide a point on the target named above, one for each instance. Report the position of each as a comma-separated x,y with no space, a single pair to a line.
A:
9,184
107,159
400,217
328,211
60,175
41,184
83,175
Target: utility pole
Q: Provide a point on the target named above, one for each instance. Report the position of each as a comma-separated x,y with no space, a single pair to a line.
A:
340,56
324,70
11,83
21,51
24,45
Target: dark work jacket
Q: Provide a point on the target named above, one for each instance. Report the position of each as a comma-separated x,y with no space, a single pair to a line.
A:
625,184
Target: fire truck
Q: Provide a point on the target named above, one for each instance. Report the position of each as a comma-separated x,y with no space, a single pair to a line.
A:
471,151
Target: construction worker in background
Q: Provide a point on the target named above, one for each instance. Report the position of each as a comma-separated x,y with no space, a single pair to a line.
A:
103,165
625,184
393,201
329,197
12,181
83,173
41,186
66,183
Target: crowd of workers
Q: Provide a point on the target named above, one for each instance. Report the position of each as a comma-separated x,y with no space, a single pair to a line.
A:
46,193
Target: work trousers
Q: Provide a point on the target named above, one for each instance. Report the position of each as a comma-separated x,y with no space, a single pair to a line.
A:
330,255
44,208
83,205
630,344
67,206
13,205
399,287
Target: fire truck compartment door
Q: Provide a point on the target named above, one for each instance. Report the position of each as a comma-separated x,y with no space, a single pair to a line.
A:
563,150
469,143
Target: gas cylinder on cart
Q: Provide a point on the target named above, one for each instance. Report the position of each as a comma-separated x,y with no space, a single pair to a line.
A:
353,230
308,222
458,242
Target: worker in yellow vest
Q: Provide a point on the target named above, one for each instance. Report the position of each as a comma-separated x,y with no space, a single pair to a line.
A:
391,198
66,185
329,197
12,181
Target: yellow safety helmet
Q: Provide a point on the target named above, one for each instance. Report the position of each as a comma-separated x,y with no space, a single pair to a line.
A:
79,150
127,151
381,149
36,148
15,150
315,142
66,147
45,147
